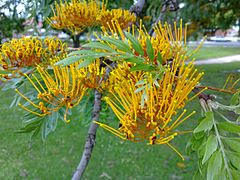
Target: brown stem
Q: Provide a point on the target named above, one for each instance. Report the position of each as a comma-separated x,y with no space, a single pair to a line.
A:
216,89
91,137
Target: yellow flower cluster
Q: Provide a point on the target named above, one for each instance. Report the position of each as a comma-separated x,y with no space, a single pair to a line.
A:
75,15
108,18
80,14
63,88
167,40
29,52
147,110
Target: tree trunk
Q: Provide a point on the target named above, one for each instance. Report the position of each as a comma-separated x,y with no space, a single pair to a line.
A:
76,41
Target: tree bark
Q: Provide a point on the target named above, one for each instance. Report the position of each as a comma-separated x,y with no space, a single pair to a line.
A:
91,137
76,41
137,7
171,5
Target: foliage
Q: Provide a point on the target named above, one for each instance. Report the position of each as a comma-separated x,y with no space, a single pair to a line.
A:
208,17
216,141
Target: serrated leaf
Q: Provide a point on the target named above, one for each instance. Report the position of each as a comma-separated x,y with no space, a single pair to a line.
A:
150,50
229,127
214,165
120,45
135,43
205,124
211,147
233,143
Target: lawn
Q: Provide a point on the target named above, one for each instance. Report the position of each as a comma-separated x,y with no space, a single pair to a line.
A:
57,158
215,52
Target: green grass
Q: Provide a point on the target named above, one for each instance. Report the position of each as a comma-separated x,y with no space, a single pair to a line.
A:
57,158
215,52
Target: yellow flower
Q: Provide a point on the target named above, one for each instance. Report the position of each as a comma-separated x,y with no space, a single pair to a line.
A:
124,18
165,42
64,88
93,75
148,106
75,15
29,52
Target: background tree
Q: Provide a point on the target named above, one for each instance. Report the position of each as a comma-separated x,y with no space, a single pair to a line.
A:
10,19
208,16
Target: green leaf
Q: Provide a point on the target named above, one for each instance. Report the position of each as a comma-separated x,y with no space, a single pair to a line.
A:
30,126
52,120
233,143
143,98
120,45
235,159
197,143
222,175
235,98
86,62
205,124
211,147
199,135
197,176
135,60
159,58
144,67
99,45
69,60
235,174
135,43
81,52
150,50
141,82
214,165
229,127
139,89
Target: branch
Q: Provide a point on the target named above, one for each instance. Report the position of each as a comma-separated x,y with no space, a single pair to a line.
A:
217,89
171,5
91,137
137,7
